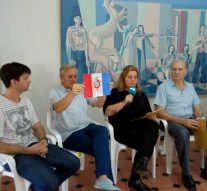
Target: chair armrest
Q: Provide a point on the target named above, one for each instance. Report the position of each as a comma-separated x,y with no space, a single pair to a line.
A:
51,138
164,123
8,159
57,136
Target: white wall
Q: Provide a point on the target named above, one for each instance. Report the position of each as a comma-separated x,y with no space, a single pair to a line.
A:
30,33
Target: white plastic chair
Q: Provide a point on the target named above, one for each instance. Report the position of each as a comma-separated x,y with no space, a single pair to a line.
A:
51,128
169,142
21,184
116,147
56,134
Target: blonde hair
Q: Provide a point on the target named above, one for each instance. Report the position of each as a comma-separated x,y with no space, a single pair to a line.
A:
120,83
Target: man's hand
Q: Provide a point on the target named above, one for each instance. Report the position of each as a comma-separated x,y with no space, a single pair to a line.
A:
190,123
77,88
40,148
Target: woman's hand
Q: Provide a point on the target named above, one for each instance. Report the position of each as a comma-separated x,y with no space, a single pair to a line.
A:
128,99
151,115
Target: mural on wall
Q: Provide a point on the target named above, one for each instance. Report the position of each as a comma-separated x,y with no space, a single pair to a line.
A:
107,35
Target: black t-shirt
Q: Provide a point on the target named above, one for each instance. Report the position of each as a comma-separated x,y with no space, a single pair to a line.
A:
138,108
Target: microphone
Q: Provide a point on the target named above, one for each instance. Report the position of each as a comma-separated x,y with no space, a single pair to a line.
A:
132,91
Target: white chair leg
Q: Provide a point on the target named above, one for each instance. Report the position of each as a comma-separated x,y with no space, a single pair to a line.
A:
82,163
115,149
114,162
65,186
133,154
202,158
169,154
154,163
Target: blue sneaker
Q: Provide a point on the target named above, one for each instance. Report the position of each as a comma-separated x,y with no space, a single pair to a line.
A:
106,184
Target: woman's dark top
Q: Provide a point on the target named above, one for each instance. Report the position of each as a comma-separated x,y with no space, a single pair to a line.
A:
136,109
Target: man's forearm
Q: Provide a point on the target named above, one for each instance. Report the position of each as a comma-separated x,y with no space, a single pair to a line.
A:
62,104
39,131
12,149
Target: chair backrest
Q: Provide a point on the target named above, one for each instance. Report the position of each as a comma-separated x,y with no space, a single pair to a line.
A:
51,127
111,132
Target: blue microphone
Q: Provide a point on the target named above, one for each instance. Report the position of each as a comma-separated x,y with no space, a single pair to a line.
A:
132,91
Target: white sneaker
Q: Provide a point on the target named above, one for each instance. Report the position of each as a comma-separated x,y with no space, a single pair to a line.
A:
106,184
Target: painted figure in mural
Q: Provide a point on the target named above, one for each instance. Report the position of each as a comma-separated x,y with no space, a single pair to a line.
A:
143,41
77,47
135,50
100,33
170,35
130,48
125,29
115,64
186,57
200,68
168,60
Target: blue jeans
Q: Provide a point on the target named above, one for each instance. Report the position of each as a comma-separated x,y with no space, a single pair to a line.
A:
47,174
182,136
93,140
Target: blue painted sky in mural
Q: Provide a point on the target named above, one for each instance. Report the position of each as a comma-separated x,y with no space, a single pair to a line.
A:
179,4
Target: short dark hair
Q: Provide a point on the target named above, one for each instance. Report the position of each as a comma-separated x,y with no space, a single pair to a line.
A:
11,71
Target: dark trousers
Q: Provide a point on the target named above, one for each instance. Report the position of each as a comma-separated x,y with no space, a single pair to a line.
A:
140,135
182,136
47,174
93,140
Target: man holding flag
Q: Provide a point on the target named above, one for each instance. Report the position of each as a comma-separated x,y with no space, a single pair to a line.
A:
78,131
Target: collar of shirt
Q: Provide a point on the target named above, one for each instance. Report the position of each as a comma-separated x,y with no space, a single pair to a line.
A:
172,83
64,89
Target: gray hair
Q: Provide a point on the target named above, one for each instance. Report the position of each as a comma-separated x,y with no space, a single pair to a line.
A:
178,60
66,67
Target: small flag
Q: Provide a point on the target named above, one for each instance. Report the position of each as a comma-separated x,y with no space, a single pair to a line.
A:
97,84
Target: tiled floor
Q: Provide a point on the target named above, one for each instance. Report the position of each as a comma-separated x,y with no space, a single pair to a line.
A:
84,180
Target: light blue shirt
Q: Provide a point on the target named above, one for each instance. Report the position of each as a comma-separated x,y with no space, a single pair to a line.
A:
74,117
179,103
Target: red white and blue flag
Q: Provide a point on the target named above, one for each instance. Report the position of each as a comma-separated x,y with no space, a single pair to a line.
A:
97,84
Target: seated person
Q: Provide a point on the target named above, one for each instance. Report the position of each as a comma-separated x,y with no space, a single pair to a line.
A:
78,131
22,135
180,103
133,125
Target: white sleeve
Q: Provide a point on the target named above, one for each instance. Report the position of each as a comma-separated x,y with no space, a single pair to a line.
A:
2,124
